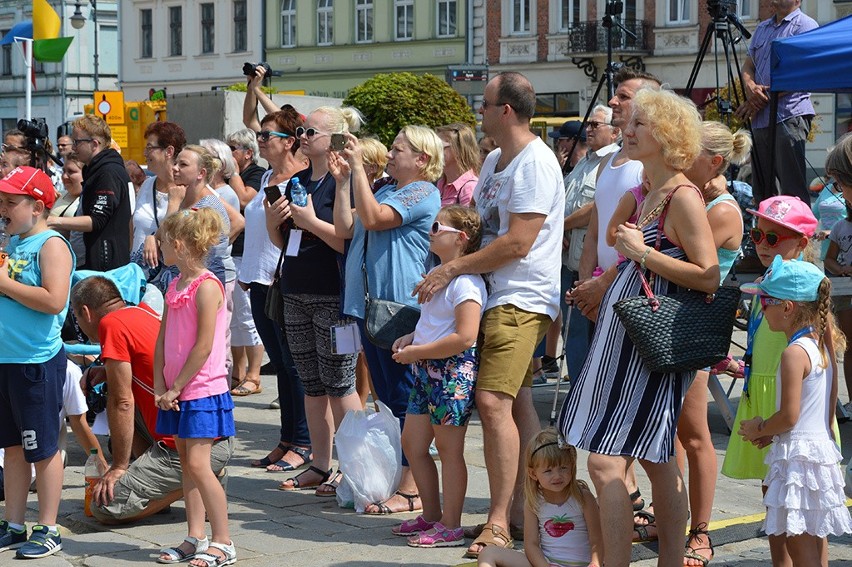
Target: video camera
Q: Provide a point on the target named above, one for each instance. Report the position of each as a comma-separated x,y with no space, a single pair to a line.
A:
250,69
719,9
35,131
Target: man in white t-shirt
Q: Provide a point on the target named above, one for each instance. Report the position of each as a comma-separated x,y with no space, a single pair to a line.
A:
616,176
521,198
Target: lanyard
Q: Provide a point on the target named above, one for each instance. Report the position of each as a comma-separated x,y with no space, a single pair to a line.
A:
800,333
753,324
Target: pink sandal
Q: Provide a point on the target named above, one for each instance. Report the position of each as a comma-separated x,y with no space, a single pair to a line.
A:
438,536
412,527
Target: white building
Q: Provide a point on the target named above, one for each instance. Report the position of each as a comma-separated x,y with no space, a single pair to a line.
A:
186,46
62,89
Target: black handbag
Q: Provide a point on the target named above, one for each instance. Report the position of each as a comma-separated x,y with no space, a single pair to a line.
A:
384,320
274,305
682,331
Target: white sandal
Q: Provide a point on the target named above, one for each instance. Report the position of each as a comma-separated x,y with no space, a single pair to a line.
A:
177,555
228,551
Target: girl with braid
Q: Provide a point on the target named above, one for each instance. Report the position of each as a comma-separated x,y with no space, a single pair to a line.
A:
804,486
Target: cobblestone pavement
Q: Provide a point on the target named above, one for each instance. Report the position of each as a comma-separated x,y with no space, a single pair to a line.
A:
271,527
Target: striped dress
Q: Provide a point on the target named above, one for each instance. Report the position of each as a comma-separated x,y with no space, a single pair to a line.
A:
617,406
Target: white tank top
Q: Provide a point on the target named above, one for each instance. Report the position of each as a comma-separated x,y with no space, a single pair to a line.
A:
563,532
612,184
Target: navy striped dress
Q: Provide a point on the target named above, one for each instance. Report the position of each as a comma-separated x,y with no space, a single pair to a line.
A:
617,406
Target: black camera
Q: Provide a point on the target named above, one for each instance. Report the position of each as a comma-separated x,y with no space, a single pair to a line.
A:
720,9
96,399
250,69
35,130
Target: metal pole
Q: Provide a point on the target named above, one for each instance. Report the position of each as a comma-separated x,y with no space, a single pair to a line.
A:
95,23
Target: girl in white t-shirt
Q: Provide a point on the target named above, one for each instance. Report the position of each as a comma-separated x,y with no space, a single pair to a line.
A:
444,361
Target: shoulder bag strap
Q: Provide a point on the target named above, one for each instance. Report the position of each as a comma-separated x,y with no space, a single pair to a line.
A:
364,268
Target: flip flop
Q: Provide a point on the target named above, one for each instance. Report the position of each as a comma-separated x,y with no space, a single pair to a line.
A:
298,485
283,466
266,461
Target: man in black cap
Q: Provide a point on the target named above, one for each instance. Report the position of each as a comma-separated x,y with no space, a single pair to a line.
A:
565,141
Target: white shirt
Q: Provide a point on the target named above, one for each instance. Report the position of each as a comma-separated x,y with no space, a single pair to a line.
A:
73,400
438,316
531,183
144,224
612,184
259,254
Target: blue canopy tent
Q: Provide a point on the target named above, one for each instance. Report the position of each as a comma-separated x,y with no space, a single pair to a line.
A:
816,61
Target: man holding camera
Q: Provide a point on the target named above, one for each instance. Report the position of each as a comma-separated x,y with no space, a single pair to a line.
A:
130,491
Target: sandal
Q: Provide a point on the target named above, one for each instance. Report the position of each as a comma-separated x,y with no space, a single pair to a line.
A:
298,485
266,461
177,555
634,496
491,535
332,485
412,527
283,466
241,389
228,557
384,509
692,552
438,536
517,532
642,530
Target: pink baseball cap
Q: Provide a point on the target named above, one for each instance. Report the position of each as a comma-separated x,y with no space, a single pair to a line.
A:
29,181
789,212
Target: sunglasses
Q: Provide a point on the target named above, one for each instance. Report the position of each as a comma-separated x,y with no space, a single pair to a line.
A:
594,124
264,135
766,301
438,228
308,132
772,238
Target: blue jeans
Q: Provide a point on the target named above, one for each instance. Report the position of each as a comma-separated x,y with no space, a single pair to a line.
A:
579,337
291,394
392,381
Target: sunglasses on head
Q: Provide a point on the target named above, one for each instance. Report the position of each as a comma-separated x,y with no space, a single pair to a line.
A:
265,134
772,238
766,301
438,228
308,132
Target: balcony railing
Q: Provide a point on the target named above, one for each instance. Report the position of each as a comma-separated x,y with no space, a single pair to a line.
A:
591,37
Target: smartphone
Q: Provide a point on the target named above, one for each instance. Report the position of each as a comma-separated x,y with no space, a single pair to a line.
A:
338,142
273,193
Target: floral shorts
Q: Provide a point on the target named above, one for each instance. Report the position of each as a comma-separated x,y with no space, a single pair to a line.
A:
444,388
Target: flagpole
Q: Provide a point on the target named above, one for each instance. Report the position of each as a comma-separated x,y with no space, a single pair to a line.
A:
27,50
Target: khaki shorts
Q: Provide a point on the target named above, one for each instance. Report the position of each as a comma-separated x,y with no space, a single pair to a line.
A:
152,477
509,338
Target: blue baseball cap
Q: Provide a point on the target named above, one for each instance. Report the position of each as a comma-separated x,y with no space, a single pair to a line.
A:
794,280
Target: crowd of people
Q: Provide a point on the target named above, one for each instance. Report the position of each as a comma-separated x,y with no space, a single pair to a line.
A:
499,243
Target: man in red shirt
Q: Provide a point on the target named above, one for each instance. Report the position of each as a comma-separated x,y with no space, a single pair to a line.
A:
130,491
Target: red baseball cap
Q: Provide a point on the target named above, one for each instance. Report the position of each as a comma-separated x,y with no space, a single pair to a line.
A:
29,181
789,212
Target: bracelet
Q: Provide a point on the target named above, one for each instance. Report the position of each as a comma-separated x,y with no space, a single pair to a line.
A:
644,256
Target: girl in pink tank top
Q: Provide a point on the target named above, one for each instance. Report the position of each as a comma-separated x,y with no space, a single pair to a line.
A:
191,388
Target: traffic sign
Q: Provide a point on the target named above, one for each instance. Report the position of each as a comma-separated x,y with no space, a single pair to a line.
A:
109,105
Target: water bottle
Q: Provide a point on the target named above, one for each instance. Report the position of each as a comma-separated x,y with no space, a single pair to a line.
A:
93,471
299,193
4,241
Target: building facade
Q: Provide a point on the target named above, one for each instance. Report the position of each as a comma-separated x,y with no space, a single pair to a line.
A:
187,45
61,89
326,47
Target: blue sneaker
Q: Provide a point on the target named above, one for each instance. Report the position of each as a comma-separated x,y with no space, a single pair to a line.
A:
42,543
9,538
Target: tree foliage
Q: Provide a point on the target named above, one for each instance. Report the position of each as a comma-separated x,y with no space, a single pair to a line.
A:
390,101
242,87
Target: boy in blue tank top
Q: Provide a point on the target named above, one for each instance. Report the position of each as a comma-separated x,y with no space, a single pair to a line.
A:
35,280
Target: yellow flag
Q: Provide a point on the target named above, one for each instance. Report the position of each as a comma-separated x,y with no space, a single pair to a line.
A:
45,20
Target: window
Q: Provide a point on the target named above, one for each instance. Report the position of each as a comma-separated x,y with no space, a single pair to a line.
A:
744,9
240,26
175,31
447,18
363,21
208,28
6,56
325,22
146,50
288,23
519,15
404,21
678,12
569,14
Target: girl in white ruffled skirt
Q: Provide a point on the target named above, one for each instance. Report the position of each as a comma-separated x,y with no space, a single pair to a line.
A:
804,497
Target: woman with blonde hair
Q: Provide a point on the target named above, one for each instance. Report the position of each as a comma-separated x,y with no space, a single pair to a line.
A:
311,290
390,239
461,164
606,412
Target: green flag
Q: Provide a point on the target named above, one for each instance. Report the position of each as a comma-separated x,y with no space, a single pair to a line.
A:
51,50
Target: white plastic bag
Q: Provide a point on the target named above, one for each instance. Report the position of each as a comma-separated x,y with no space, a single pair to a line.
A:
370,454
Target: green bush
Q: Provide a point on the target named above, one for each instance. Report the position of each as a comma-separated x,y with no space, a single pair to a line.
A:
392,100
242,87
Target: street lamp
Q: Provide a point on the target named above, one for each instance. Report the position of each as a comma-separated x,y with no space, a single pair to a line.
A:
78,20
